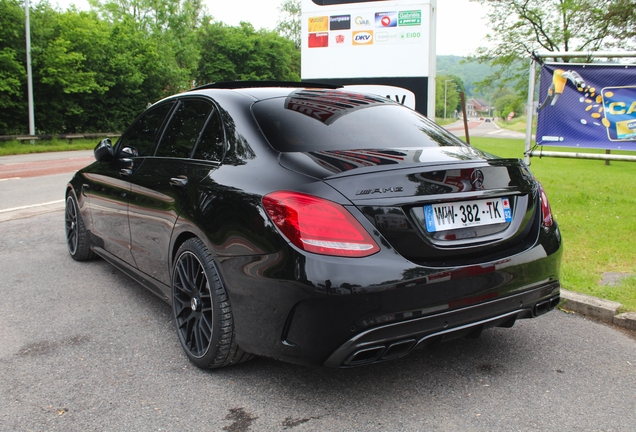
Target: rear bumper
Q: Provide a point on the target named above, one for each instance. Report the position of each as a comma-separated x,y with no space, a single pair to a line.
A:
317,310
399,339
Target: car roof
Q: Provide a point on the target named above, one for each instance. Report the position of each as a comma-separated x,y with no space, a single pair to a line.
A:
265,84
260,90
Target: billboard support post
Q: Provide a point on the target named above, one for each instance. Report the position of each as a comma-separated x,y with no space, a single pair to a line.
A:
530,111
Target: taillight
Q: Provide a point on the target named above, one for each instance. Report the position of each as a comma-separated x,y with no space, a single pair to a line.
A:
318,225
546,211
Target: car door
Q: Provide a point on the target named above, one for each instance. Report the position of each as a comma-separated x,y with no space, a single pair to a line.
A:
108,186
163,184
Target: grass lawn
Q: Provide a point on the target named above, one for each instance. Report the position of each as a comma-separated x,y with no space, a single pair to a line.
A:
517,124
43,146
595,206
444,121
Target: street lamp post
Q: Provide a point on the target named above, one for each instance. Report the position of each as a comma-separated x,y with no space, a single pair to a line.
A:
445,92
29,73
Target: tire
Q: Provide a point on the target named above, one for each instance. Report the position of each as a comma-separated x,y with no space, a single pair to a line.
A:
201,309
77,240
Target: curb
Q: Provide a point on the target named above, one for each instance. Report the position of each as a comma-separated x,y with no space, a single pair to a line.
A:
602,310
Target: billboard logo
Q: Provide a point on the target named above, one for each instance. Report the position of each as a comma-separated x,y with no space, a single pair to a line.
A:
318,40
626,129
410,18
363,38
385,37
386,19
362,22
410,36
318,24
619,106
340,39
340,22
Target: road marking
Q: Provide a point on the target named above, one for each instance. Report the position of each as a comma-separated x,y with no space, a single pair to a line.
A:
31,206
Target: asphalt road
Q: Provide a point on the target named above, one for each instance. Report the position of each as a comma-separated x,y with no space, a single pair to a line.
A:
481,128
28,181
83,347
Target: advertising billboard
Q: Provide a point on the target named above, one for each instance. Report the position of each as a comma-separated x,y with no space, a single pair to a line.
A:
587,106
371,42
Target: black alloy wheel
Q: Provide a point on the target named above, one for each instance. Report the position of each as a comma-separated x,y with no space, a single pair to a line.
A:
76,235
201,309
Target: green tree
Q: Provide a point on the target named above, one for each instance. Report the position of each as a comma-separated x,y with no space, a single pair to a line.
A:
289,21
172,25
13,109
95,71
241,53
507,101
447,99
67,47
136,74
521,27
621,17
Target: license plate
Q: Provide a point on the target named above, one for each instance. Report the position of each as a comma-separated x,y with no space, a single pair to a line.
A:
463,214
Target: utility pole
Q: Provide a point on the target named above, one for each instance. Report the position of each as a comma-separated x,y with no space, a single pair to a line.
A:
445,90
29,73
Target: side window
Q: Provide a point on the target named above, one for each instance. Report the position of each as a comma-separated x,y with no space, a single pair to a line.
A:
210,145
141,137
184,128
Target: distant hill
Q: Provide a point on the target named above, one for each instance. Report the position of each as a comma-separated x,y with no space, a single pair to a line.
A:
470,72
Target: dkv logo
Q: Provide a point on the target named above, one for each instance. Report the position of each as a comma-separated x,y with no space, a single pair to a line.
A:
362,37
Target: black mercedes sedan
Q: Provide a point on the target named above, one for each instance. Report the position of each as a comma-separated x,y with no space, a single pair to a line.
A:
314,225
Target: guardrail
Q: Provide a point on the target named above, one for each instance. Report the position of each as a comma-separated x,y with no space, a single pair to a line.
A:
47,137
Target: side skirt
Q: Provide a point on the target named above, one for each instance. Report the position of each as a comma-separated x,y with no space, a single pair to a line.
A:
157,288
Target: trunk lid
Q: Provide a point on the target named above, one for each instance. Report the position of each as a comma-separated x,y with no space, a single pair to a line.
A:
435,206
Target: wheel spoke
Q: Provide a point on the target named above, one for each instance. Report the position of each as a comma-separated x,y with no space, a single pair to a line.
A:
180,306
205,324
192,271
184,277
181,280
198,342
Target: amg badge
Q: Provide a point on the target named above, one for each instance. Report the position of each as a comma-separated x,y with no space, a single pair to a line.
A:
380,190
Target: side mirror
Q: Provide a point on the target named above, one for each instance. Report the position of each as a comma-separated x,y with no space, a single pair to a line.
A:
104,151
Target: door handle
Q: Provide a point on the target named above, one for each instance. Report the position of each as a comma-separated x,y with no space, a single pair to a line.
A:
125,172
179,181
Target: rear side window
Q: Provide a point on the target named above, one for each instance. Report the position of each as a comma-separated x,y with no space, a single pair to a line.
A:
210,146
184,128
141,137
319,120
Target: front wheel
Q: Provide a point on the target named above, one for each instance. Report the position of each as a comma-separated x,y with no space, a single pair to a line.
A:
201,309
77,240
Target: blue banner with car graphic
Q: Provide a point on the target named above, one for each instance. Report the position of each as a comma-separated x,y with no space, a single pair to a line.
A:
587,106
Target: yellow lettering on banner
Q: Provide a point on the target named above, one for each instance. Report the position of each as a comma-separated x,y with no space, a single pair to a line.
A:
620,108
614,110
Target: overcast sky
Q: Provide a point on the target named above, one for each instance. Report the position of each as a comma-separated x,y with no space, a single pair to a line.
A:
460,27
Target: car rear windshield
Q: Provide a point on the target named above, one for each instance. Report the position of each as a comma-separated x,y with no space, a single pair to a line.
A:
317,120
